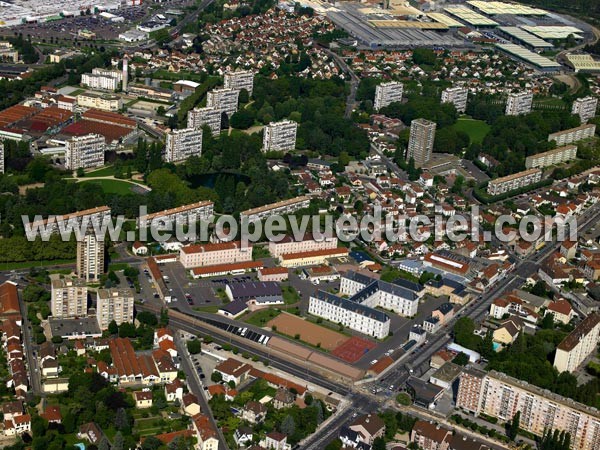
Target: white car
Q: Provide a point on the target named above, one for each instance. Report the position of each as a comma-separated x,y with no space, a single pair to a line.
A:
373,362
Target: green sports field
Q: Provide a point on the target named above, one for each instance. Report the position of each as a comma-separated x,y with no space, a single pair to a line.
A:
476,129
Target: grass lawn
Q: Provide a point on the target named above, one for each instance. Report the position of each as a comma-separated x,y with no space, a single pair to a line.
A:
549,102
113,186
28,264
476,129
260,318
290,295
103,172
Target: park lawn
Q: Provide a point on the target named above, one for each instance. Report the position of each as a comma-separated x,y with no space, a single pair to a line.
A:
103,172
260,318
476,129
110,186
553,102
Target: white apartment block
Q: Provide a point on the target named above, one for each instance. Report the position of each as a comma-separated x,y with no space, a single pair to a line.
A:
279,136
585,108
211,117
114,304
353,315
185,214
202,255
91,217
181,144
514,181
519,103
226,100
556,156
68,298
578,345
1,156
307,244
102,79
457,96
283,207
380,294
386,93
420,141
85,151
572,134
240,79
498,395
105,102
90,258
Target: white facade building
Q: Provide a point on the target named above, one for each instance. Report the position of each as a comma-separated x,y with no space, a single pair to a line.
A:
209,116
90,258
457,96
114,304
386,93
279,136
514,181
573,134
355,316
68,298
240,79
85,151
102,79
181,144
519,103
226,100
585,108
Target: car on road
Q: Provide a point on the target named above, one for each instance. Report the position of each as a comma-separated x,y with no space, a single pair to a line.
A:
373,362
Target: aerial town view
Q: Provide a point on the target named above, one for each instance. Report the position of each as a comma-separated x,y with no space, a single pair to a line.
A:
300,225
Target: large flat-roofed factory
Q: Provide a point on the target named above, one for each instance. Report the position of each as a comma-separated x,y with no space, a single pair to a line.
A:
520,31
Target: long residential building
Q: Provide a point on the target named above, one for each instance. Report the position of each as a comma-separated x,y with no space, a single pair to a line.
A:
181,144
283,207
349,313
556,156
226,100
68,298
403,300
387,93
184,214
201,255
514,181
312,257
572,134
585,108
519,103
578,345
239,79
104,102
209,116
114,304
93,216
457,96
290,245
359,312
497,395
85,151
102,79
280,136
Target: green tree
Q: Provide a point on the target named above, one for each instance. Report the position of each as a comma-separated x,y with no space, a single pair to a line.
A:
194,346
513,428
216,377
